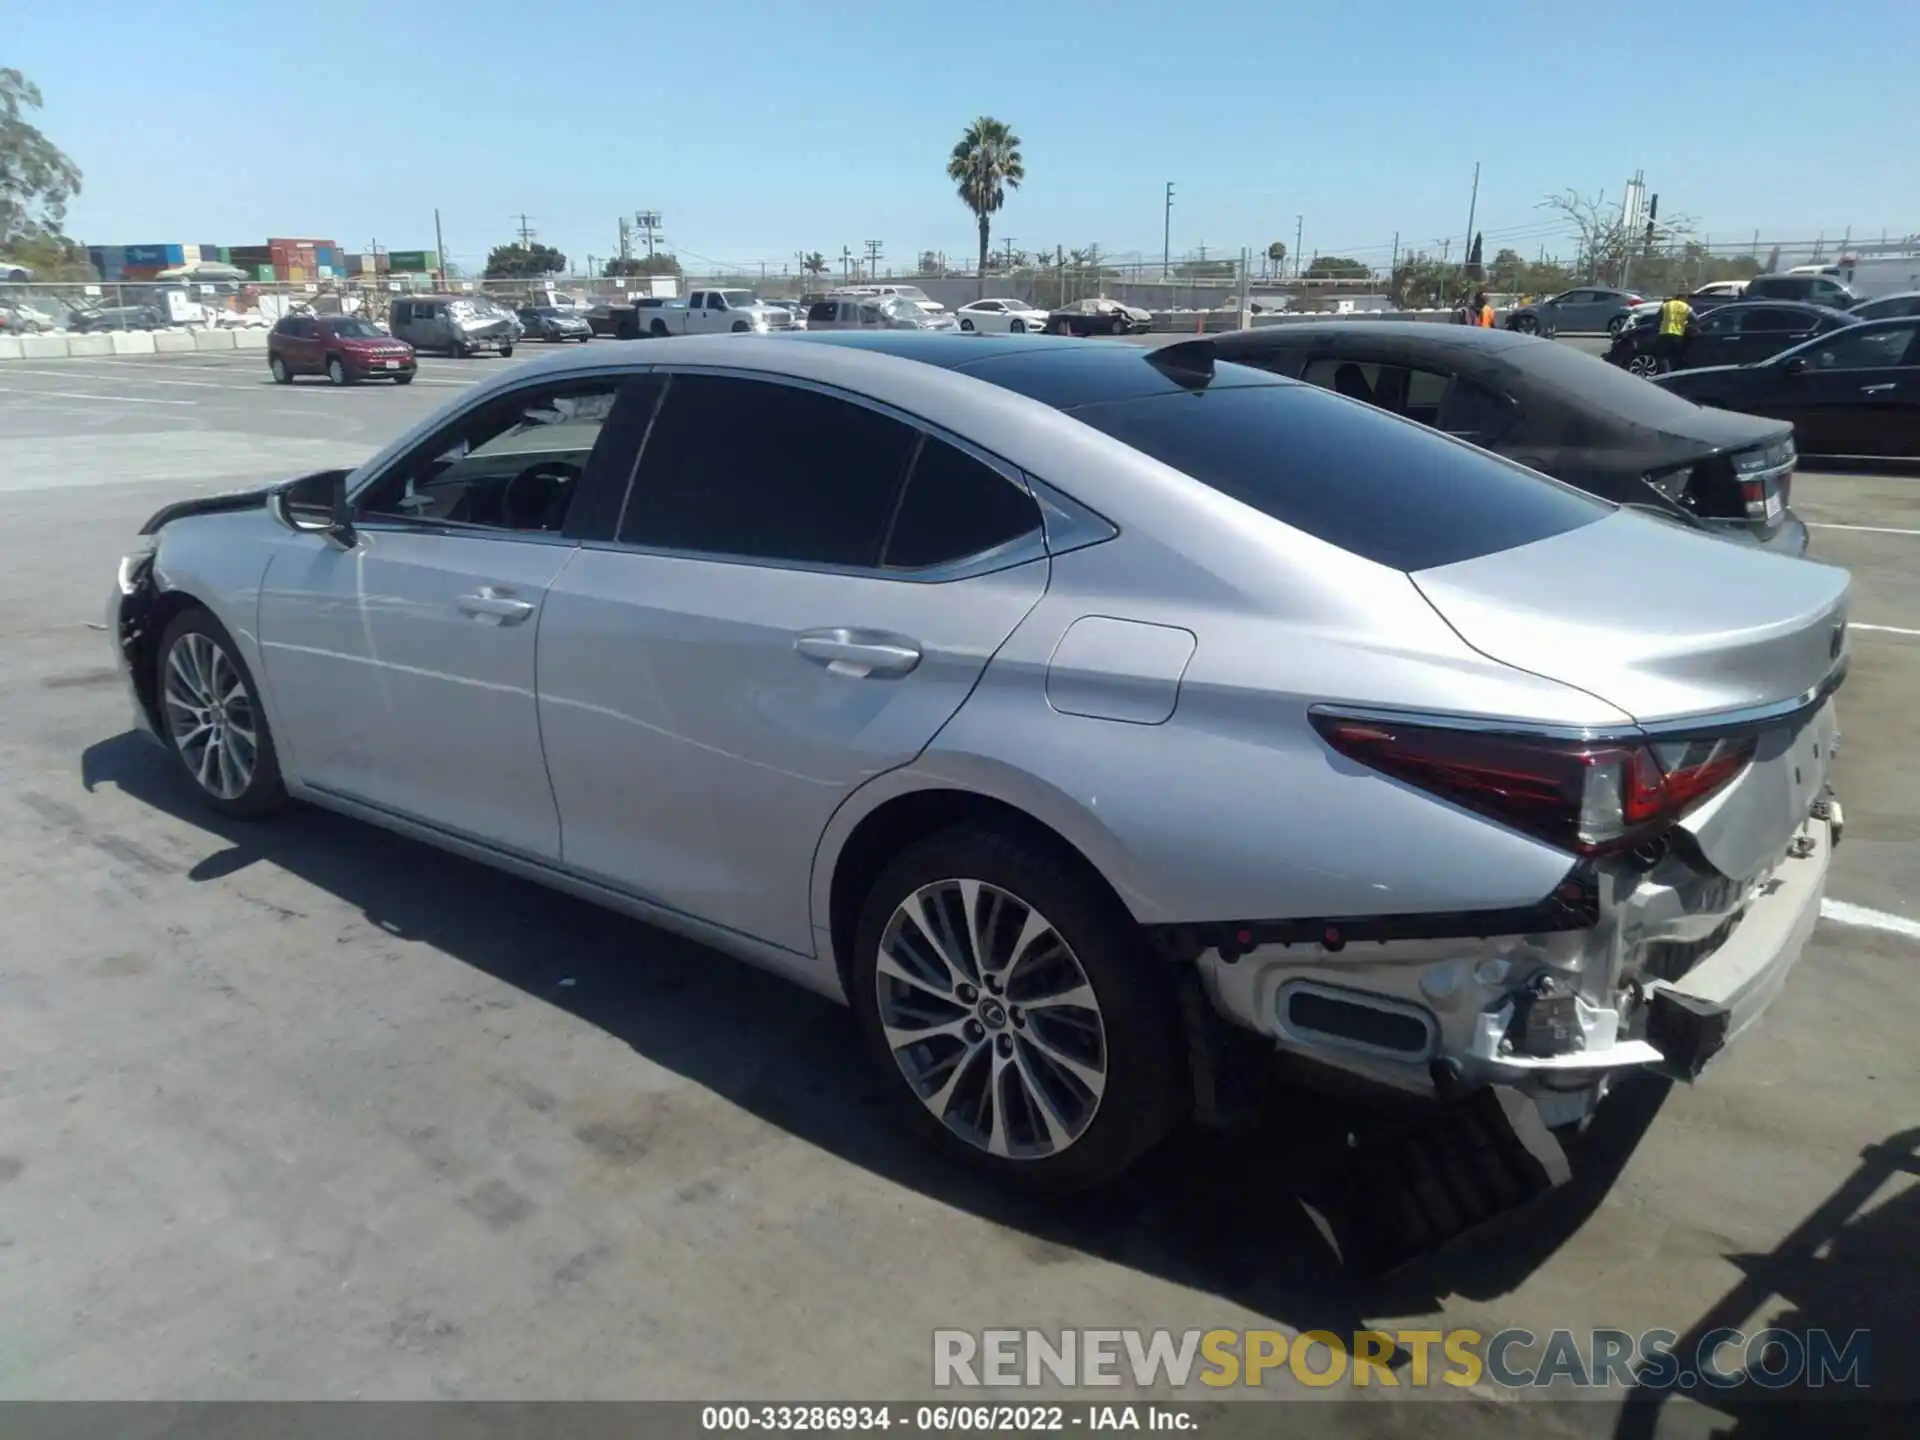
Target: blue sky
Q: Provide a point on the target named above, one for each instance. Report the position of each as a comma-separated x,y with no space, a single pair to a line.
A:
761,129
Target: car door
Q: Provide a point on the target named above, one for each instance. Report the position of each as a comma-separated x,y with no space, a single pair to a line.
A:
1857,393
1768,329
778,622
401,665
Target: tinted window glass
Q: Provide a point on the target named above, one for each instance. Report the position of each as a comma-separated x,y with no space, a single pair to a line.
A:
1382,488
767,472
1876,349
823,312
954,507
1771,318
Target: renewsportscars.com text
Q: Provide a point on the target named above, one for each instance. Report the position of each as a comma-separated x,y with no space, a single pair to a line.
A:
1462,1358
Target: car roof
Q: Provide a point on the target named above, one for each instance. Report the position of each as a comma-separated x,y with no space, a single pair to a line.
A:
1808,305
1408,334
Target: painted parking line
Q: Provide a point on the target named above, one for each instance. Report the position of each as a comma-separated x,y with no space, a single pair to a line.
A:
1883,629
76,395
1843,913
249,384
1869,529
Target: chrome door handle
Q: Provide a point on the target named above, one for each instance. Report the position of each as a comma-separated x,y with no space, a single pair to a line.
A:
1879,389
496,604
859,653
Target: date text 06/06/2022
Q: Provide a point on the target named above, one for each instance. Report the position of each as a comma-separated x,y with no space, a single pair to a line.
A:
943,1419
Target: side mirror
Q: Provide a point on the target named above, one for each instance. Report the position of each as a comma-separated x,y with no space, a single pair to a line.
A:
316,505
1796,366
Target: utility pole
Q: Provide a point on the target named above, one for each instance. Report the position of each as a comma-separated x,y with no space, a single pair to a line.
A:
649,223
873,258
626,241
439,245
1473,203
372,265
1396,257
1166,236
526,230
846,262
1007,240
1299,229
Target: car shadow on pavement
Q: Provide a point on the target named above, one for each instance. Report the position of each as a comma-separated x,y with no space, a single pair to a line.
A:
1211,1213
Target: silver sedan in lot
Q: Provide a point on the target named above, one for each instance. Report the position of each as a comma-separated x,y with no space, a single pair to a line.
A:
1076,713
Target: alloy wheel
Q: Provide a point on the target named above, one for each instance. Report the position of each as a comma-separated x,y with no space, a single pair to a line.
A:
991,1018
1643,365
210,716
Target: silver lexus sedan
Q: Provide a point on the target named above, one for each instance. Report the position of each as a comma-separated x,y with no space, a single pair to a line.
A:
1078,714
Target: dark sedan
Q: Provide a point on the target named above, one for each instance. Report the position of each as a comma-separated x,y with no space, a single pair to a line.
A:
1099,317
1734,334
552,323
1591,309
1888,307
1853,392
1553,408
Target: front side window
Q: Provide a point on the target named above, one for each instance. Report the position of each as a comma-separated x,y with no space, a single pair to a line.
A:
1874,350
752,470
512,465
354,328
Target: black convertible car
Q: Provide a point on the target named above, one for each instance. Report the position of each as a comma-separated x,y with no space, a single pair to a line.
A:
1733,334
1855,392
1551,407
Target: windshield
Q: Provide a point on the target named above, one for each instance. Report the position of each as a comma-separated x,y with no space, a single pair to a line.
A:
910,292
355,329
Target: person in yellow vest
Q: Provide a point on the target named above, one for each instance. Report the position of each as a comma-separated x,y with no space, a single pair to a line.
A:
1676,323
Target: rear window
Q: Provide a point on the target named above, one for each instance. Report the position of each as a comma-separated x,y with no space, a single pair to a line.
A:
1385,489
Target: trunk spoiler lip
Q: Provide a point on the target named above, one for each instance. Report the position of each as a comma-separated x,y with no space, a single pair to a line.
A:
1707,725
233,500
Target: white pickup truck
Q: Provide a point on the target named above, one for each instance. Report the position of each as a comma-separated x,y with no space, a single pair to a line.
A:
717,312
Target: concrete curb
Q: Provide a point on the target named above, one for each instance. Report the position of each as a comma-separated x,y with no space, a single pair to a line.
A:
172,342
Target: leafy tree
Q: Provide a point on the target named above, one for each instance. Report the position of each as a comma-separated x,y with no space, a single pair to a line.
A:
984,165
36,177
1336,267
658,263
520,262
1606,249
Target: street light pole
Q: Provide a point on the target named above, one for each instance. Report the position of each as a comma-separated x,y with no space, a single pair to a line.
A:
1299,229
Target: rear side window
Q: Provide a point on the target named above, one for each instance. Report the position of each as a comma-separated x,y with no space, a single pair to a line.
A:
1384,489
956,506
759,471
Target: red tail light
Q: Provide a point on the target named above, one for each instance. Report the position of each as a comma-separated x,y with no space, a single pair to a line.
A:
1588,797
1635,300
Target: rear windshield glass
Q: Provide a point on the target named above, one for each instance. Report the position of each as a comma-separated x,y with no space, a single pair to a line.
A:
1380,487
1599,386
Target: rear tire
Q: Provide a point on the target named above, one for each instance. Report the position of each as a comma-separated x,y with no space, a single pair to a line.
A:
1016,1079
1616,325
212,720
506,352
1524,324
657,329
966,325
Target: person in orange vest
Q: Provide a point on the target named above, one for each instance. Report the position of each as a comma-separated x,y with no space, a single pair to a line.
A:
1481,311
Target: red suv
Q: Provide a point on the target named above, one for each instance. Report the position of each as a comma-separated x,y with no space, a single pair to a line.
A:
344,348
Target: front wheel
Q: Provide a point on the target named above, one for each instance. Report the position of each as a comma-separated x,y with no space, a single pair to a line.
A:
403,379
1015,1011
966,325
506,352
1018,327
337,372
211,716
1646,366
1616,325
281,375
740,327
1524,324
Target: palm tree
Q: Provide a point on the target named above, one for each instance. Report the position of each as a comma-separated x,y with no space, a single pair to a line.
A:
814,264
985,164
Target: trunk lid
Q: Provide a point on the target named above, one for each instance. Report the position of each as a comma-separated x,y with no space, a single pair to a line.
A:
1671,625
1664,623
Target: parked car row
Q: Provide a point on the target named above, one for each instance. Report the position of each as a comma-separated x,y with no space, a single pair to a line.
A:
1162,711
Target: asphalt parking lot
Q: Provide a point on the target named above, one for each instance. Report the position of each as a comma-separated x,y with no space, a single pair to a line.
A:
309,1111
